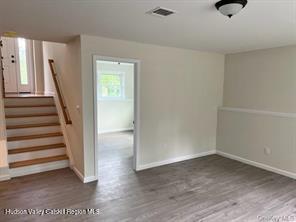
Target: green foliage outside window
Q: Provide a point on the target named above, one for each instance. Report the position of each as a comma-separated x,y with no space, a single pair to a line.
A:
110,85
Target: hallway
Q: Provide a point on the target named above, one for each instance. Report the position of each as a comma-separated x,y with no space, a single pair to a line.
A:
115,154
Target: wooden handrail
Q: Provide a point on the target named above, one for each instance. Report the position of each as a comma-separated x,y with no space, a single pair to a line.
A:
61,100
2,74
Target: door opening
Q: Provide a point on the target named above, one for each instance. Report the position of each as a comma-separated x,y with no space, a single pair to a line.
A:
116,115
18,68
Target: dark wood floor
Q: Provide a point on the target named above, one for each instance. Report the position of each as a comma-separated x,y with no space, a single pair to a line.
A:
210,188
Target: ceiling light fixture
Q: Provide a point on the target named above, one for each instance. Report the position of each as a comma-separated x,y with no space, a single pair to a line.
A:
230,7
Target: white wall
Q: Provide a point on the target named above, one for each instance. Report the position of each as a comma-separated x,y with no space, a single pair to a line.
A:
117,114
180,91
262,84
67,60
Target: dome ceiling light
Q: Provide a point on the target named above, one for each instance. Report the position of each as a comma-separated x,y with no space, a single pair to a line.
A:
230,7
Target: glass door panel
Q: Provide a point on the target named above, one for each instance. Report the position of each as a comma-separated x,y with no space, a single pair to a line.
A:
23,61
24,65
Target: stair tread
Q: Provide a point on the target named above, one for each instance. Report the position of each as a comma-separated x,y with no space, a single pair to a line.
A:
31,125
27,97
36,148
37,136
37,161
31,115
29,106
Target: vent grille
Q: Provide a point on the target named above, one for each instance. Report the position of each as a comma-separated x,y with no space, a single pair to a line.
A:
161,12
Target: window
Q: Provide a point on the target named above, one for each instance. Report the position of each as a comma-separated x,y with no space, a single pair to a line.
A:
23,61
111,86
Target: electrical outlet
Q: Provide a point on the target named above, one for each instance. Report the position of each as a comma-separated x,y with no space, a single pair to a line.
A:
267,150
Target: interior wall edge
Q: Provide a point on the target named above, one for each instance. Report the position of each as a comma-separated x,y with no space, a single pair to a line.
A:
257,164
174,160
261,112
4,173
262,137
83,178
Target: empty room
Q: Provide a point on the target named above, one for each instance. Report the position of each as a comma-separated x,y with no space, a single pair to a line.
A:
148,111
114,87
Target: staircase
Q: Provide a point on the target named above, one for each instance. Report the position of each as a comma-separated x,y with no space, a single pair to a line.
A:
34,138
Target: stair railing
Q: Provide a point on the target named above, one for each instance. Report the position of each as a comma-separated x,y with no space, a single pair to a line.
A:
59,93
2,73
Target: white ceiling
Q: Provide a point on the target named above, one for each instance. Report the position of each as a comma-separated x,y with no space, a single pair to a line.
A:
197,24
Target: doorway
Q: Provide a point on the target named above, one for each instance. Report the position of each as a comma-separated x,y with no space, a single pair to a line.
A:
17,60
116,83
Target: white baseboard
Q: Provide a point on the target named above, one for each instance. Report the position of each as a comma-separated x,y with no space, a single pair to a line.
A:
5,177
39,92
82,178
51,93
257,164
90,179
115,130
174,160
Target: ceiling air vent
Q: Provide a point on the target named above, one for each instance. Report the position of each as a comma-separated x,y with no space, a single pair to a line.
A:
161,12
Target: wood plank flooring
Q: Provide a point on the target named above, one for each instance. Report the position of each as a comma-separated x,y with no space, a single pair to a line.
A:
210,188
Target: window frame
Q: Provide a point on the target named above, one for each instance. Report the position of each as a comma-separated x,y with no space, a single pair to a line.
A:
122,86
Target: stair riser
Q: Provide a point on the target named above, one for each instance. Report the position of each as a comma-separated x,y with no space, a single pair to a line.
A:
35,142
29,110
28,101
33,131
31,120
36,154
55,157
38,168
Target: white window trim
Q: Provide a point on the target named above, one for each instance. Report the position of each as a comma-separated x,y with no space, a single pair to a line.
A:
112,98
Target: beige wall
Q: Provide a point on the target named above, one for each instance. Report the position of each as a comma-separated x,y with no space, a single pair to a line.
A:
117,114
262,79
56,51
67,59
246,135
256,82
180,91
4,174
38,66
72,91
2,114
3,147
